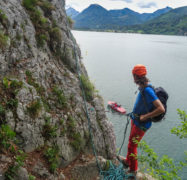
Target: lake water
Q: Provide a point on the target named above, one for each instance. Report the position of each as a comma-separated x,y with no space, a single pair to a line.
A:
109,59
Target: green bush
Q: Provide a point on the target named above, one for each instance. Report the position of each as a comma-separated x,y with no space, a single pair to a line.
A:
61,122
3,41
2,110
34,108
12,86
76,140
88,87
70,21
41,39
11,172
2,15
71,123
55,34
3,19
49,131
162,168
181,130
75,137
47,7
12,103
9,89
52,155
36,16
29,4
31,177
61,99
30,80
7,136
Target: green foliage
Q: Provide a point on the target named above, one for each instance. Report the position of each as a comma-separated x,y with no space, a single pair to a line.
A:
61,122
31,177
52,155
40,22
2,15
181,130
47,7
12,86
3,19
8,91
29,4
61,99
43,28
32,82
70,21
63,128
88,87
76,140
39,88
11,172
34,108
55,34
15,84
75,137
162,168
71,123
3,40
5,82
41,39
36,17
12,103
49,131
2,110
46,105
7,136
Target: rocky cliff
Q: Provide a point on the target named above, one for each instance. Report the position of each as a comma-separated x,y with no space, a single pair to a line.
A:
44,130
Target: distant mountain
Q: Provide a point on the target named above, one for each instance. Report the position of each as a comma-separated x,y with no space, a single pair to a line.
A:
92,17
148,16
174,23
71,12
96,17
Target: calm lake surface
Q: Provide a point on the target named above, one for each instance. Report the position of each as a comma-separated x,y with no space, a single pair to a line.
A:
109,59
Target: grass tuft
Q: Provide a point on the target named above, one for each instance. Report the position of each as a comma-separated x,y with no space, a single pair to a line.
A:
34,108
88,87
3,41
52,156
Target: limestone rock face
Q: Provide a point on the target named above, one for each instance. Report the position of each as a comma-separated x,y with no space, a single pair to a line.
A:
47,110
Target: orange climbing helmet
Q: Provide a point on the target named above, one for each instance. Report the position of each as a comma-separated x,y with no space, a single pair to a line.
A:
139,70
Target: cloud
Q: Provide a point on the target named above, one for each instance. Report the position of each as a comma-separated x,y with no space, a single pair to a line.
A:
127,1
147,5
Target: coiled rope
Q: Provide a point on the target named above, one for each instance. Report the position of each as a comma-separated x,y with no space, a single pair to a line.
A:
114,172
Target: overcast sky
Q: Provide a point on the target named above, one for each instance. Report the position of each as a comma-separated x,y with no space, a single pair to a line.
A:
136,5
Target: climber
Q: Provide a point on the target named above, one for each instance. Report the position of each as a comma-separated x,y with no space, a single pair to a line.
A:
140,118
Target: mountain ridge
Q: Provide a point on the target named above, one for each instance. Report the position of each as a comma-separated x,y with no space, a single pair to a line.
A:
162,21
172,23
97,17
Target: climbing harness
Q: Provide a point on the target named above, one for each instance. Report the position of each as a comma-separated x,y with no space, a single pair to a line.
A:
114,172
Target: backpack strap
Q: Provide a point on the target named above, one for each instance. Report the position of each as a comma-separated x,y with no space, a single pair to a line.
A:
144,99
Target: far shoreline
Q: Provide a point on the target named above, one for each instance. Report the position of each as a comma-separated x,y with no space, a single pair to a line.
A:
126,32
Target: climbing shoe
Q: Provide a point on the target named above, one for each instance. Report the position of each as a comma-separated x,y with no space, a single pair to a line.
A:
123,160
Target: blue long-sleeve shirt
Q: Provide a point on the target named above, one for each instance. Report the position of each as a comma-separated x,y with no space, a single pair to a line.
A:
141,108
